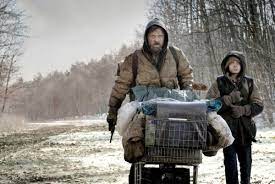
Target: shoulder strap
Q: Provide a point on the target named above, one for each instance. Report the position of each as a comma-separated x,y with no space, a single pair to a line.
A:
173,51
118,70
221,81
250,84
134,67
175,56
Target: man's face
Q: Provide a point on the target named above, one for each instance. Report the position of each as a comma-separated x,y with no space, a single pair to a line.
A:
156,40
234,65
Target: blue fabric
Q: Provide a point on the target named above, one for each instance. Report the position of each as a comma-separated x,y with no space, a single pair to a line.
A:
149,108
213,105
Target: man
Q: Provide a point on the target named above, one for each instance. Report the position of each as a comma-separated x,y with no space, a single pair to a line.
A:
241,101
156,66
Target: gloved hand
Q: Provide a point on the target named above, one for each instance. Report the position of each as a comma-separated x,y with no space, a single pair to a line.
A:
238,111
233,97
199,86
112,118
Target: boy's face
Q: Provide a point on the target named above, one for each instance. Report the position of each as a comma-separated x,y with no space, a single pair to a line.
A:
234,65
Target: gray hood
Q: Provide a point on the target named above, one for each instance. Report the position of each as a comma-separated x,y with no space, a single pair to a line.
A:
155,22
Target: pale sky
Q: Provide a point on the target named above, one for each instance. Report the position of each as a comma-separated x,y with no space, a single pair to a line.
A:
62,32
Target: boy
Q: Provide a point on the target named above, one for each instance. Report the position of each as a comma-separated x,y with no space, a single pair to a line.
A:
240,102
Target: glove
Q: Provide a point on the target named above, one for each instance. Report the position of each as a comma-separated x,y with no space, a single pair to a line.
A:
238,111
112,118
199,86
233,97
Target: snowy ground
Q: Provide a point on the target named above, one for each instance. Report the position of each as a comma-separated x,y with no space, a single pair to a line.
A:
80,152
263,166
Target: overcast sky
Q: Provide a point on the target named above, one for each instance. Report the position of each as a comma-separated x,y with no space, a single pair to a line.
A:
65,31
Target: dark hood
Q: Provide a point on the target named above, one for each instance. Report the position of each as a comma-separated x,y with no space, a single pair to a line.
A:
155,22
237,54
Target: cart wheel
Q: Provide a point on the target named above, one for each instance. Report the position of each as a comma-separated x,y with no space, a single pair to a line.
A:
138,172
195,174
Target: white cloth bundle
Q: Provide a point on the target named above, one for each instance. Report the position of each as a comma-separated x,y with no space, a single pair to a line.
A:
224,134
125,115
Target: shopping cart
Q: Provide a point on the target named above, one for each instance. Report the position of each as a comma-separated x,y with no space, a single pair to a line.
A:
173,144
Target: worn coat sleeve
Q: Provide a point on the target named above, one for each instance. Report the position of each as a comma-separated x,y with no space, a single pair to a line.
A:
214,93
122,84
185,71
255,101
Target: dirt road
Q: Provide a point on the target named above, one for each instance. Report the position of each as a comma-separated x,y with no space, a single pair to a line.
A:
53,155
66,153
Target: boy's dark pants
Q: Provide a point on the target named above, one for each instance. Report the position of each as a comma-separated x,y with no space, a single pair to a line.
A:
243,153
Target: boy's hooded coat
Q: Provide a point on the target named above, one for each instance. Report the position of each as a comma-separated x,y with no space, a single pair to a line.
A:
241,127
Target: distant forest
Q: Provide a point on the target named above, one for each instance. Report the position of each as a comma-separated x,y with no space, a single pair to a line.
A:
204,29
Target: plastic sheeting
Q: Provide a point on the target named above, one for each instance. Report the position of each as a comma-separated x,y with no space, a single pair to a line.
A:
145,93
162,107
166,109
150,96
125,115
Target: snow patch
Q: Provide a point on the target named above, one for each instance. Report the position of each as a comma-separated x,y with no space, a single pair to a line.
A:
107,159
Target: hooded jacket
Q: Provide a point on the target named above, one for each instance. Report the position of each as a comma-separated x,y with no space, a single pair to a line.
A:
249,92
165,73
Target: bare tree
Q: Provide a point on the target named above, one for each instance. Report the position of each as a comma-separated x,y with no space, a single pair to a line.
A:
11,38
209,28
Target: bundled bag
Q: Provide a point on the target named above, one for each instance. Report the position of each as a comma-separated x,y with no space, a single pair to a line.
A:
221,131
133,139
125,115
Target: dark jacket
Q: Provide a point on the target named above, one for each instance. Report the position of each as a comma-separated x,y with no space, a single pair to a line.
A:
240,127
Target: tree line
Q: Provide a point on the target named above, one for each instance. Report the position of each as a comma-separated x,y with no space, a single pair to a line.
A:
82,90
204,29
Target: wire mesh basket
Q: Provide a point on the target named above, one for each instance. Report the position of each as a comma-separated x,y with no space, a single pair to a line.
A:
174,136
175,140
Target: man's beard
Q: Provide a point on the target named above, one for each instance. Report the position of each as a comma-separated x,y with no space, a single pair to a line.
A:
156,48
